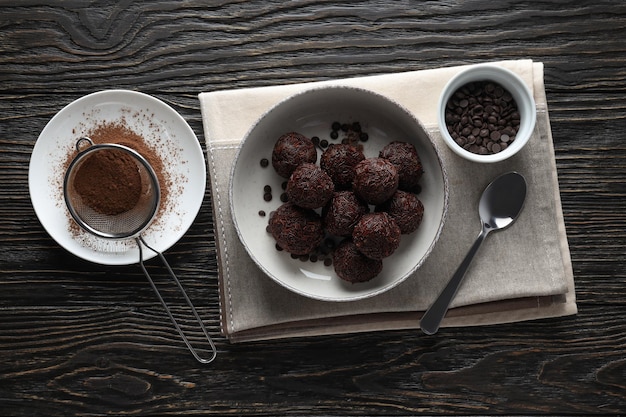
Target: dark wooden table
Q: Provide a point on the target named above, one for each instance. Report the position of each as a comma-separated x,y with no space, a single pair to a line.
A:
78,338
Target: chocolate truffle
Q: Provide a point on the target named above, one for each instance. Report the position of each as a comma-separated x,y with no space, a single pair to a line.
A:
291,150
297,230
406,209
376,235
375,180
309,186
342,213
339,160
352,266
404,156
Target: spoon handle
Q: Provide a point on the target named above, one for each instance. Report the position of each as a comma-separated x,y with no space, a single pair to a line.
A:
432,318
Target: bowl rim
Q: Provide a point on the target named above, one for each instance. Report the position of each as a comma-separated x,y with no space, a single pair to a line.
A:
440,162
514,85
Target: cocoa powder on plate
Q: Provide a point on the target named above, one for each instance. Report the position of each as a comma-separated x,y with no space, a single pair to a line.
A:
119,132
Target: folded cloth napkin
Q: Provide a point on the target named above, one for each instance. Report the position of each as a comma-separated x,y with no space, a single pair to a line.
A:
520,274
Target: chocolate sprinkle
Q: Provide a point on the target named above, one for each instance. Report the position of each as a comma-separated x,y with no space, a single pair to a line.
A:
309,186
296,230
404,156
375,180
352,266
376,235
343,212
291,150
406,209
339,161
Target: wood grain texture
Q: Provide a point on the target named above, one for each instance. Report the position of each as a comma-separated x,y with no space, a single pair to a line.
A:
78,338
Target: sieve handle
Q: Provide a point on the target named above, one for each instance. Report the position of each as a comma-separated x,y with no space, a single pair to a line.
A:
141,241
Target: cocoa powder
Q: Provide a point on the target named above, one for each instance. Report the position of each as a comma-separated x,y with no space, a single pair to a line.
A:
118,132
108,181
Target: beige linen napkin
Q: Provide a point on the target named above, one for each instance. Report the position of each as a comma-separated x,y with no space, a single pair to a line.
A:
520,274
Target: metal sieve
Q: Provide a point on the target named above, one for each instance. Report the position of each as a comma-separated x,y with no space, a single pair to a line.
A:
125,223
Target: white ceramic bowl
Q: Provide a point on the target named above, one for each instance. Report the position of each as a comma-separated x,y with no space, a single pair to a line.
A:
514,85
312,113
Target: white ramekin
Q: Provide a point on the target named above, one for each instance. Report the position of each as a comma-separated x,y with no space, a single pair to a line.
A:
510,82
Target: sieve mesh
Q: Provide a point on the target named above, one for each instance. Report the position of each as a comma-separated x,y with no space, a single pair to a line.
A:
128,223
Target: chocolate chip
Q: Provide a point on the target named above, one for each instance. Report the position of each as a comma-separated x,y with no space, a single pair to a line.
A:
482,117
267,193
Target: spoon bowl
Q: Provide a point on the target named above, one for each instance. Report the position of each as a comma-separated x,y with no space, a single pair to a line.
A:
499,206
502,201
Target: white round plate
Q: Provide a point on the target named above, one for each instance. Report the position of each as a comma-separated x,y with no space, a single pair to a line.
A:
162,128
311,113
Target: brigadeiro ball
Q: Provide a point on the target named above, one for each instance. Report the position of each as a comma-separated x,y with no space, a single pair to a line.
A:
352,266
296,230
406,209
404,156
376,235
339,160
309,186
343,212
375,180
291,150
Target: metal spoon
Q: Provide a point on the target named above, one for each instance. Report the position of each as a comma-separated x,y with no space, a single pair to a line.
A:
500,205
